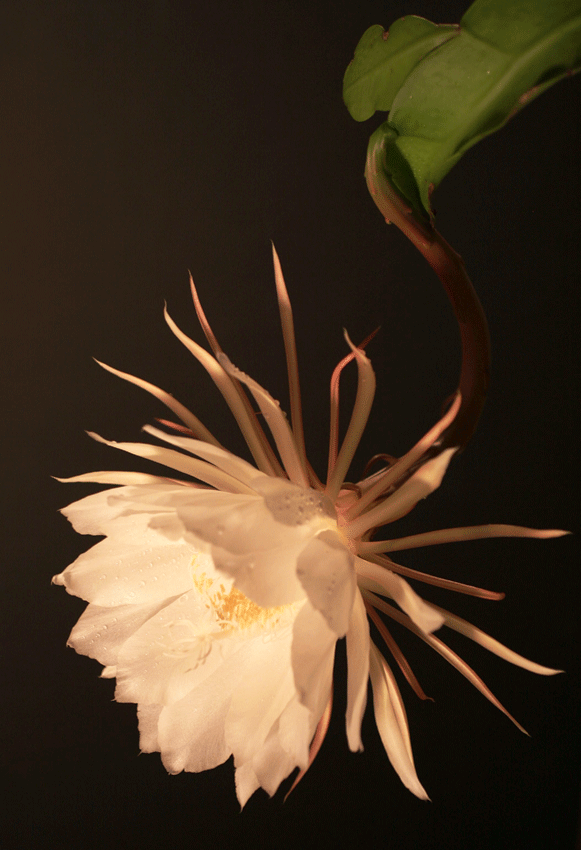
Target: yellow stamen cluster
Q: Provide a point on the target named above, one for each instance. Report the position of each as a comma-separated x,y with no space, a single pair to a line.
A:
232,608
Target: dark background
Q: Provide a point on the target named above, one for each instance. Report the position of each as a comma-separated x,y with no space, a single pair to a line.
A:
140,139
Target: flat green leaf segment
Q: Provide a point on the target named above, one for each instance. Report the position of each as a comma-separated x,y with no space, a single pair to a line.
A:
446,87
383,60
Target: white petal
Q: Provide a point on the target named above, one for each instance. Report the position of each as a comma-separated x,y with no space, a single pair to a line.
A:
92,514
313,653
239,524
139,567
357,672
191,731
296,728
268,578
422,613
272,764
246,783
101,632
148,717
173,652
392,727
95,513
325,570
306,510
261,696
256,539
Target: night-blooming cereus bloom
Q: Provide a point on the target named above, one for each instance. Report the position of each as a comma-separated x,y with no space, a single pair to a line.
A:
219,592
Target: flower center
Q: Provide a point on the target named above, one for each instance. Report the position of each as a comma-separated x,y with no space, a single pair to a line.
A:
232,609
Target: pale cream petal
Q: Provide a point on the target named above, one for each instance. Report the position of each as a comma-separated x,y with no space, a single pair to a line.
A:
148,717
303,509
246,419
391,727
246,783
426,578
296,728
325,570
272,764
267,578
318,737
261,696
256,540
423,614
191,731
239,524
357,672
139,568
95,513
173,652
396,703
101,632
165,497
290,347
469,674
313,653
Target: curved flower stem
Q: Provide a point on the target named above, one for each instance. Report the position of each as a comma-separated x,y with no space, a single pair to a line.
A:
449,267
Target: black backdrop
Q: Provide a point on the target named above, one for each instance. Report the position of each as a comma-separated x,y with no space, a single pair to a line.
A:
143,138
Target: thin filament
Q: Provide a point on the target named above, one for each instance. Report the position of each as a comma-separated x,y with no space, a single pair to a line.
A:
192,421
334,411
444,651
359,416
276,420
290,348
400,658
395,473
455,535
217,349
436,581
231,396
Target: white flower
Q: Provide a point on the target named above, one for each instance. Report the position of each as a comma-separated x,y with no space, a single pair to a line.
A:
217,606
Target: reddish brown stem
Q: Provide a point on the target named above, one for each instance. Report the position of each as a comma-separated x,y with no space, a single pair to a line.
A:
448,265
